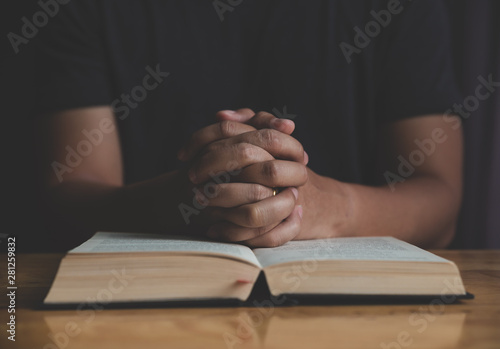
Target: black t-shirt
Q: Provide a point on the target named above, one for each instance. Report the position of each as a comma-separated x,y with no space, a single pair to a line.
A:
340,69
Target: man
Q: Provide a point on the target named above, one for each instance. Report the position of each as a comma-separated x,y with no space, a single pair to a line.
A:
125,83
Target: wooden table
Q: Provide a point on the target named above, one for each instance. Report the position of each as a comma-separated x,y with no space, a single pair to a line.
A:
468,324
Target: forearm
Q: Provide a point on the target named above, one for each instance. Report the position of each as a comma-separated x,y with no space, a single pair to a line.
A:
422,210
149,206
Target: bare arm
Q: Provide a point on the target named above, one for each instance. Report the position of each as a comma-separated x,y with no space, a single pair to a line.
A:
86,186
85,178
418,205
421,208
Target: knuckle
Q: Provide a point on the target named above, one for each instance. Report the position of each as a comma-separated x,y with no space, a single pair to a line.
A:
254,216
258,192
245,151
227,128
270,139
271,171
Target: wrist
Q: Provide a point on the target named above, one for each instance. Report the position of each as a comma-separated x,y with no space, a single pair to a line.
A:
345,222
328,207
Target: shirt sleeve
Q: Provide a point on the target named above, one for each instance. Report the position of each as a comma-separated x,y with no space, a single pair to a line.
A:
417,74
71,70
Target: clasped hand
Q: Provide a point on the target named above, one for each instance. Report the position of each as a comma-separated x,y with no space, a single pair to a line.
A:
250,154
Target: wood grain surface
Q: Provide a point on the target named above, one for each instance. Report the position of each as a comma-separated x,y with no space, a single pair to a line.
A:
436,324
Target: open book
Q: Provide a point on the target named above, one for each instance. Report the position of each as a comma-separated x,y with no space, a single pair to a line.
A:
130,267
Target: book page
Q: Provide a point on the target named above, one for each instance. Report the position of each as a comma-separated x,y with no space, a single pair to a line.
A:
355,248
135,242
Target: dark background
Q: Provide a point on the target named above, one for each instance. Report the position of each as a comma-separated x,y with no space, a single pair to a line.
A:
476,40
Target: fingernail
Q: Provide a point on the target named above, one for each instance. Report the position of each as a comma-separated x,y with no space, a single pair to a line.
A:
301,211
230,112
306,158
295,193
276,123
